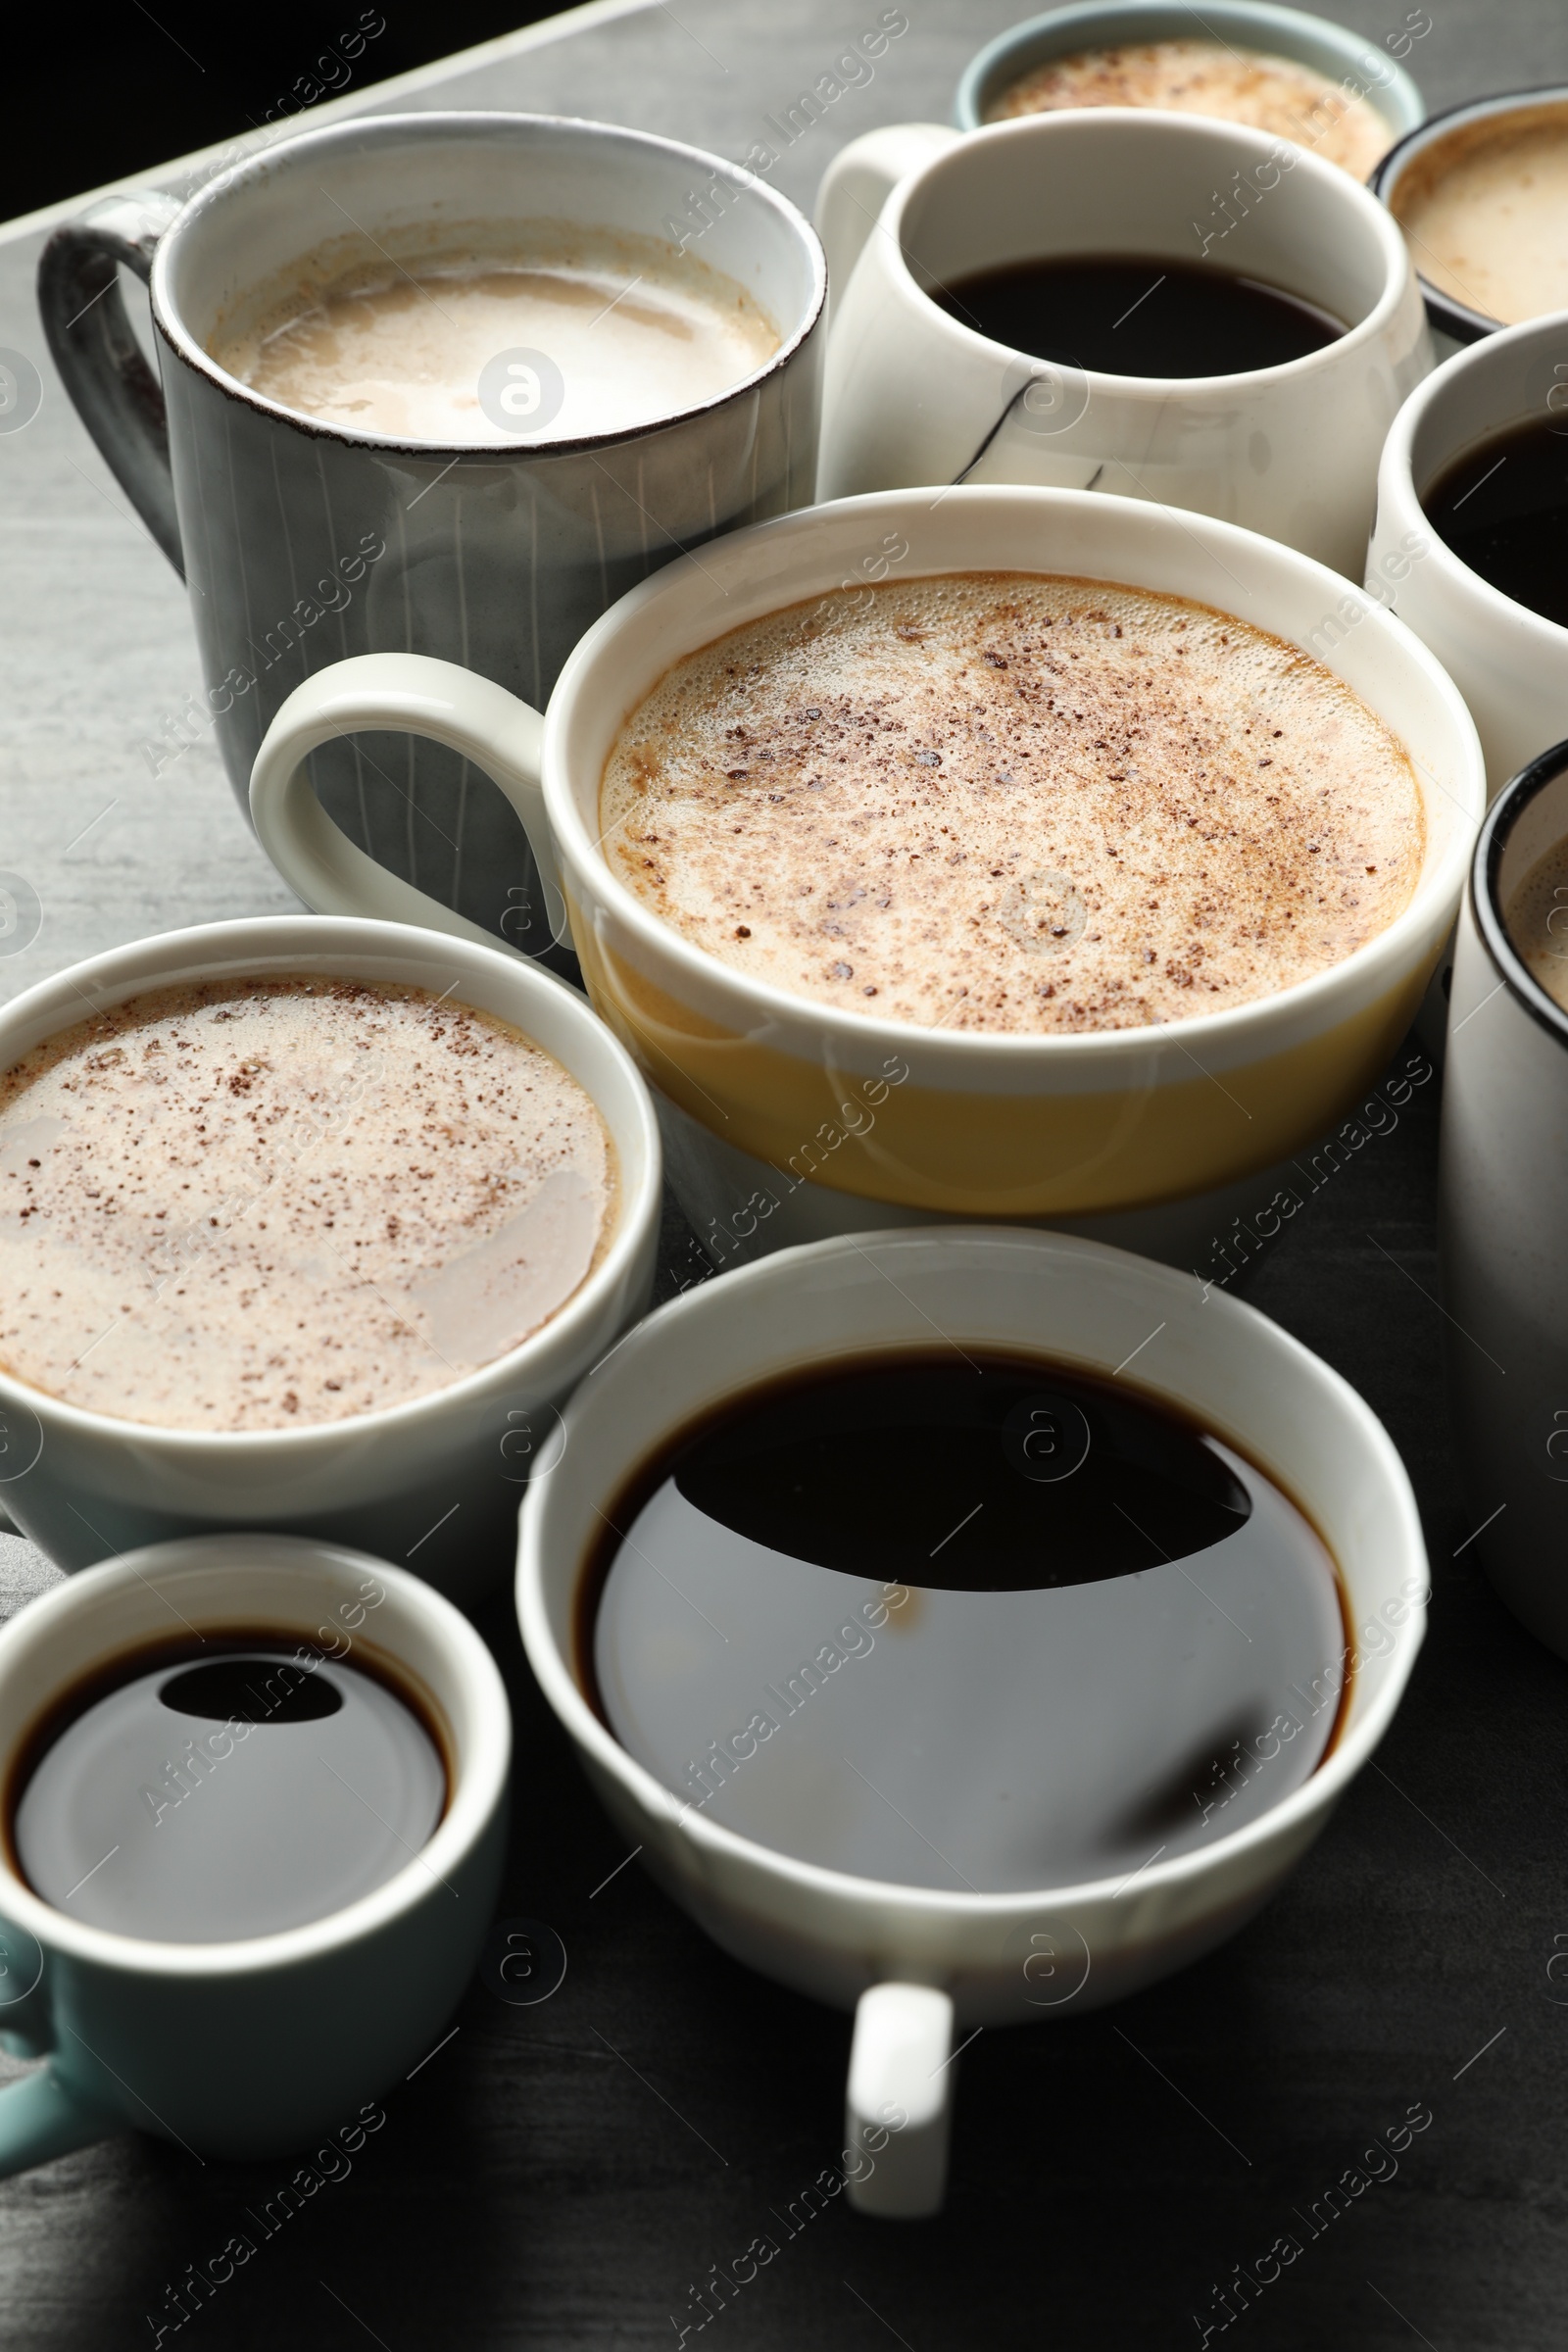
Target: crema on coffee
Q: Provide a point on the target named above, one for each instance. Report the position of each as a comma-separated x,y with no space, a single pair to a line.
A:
633,328
1004,802
248,1204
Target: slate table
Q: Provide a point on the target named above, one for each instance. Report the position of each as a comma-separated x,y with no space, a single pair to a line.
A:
566,2173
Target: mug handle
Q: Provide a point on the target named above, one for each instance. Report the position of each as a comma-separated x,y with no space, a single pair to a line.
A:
115,392
900,2062
400,694
41,2117
859,182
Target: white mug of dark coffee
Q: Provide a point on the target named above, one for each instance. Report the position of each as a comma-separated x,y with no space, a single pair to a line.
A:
1156,304
251,2039
1472,488
318,509
826,1744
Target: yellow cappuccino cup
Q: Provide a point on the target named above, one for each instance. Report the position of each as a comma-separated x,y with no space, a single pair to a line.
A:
789,1119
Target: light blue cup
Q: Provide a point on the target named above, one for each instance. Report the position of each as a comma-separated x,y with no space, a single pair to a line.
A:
1329,49
253,2047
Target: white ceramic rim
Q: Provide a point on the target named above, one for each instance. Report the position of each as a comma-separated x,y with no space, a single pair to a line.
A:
337,935
1274,26
858,1030
1398,469
354,132
1383,231
483,1776
1319,1790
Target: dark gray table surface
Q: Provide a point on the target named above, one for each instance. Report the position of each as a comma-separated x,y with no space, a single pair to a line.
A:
568,2173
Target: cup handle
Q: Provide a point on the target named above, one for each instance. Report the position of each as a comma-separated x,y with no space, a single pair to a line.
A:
41,2117
400,694
900,2067
115,392
859,182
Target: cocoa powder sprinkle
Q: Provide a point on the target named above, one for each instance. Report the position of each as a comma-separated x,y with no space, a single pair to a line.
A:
983,846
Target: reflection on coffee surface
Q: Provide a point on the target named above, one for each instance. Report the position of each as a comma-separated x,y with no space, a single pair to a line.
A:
635,330
1536,918
1503,510
1126,315
246,1204
1003,802
966,1619
236,1789
1207,78
1483,211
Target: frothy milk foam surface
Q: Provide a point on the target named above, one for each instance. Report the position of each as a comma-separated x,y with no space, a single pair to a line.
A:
637,330
253,1204
1537,921
1204,78
1483,212
1005,802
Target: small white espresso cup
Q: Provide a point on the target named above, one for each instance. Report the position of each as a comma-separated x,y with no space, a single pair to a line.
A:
787,1119
434,1481
1511,664
248,2048
916,1962
914,395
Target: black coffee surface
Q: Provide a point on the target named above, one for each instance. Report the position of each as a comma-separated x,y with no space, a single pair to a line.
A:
226,1794
965,1621
1124,316
1503,510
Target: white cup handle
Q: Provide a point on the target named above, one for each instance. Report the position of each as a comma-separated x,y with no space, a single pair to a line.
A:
859,182
408,694
898,2103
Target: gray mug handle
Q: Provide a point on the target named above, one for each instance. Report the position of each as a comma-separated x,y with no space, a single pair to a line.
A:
115,392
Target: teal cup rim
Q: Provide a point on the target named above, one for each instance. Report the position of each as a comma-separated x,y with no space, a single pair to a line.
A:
1290,33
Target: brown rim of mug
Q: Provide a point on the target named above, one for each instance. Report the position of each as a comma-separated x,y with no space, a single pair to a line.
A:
1486,873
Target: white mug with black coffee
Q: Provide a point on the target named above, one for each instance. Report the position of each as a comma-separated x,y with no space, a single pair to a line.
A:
1156,304
1034,1612
1472,489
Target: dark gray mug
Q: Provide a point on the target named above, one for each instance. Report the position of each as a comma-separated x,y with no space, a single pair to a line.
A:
302,543
1504,1258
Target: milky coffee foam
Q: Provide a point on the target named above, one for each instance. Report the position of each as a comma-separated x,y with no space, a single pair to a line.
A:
1003,802
1482,212
636,330
250,1204
1203,78
1536,922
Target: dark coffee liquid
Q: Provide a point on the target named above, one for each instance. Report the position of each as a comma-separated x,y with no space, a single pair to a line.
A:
1124,316
965,1622
1503,510
227,1792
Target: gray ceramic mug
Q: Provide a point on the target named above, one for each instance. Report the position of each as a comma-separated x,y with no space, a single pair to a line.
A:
1505,1262
302,543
